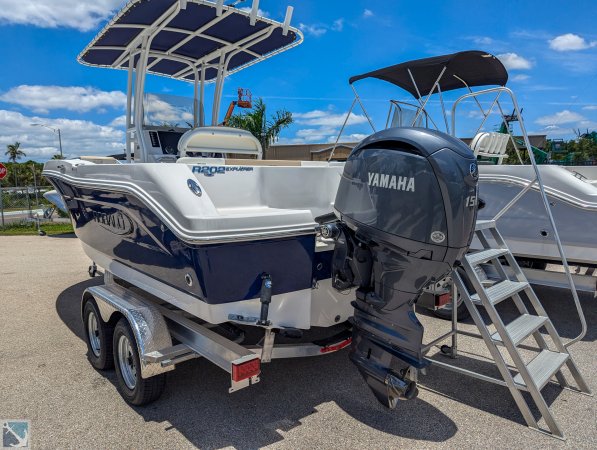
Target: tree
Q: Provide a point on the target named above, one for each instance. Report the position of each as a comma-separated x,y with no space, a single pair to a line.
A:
57,156
256,122
14,152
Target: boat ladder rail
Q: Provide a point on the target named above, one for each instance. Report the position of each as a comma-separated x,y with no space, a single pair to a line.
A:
548,361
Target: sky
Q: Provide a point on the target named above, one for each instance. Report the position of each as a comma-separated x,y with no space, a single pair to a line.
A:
549,48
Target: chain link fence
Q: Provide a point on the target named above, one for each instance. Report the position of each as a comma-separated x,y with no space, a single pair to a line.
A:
19,204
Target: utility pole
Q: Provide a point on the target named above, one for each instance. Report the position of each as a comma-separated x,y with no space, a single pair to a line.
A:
55,130
60,143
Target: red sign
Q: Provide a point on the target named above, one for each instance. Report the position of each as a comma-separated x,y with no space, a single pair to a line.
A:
3,171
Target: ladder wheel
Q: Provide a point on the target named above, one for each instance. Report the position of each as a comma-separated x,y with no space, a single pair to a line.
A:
446,349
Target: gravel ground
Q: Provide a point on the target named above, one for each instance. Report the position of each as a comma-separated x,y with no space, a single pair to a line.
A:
309,403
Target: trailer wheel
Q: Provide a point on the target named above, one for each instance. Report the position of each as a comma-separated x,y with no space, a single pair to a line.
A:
133,388
462,312
98,335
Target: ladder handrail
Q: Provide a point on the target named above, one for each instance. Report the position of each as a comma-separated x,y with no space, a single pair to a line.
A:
539,181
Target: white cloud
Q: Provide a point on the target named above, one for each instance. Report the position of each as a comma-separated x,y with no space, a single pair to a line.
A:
368,13
321,134
338,24
260,12
119,121
323,126
355,137
559,118
520,77
590,107
513,61
159,111
570,42
42,99
79,137
320,118
319,29
482,40
569,131
313,30
81,15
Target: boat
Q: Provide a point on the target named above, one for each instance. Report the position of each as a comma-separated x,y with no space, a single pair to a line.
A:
199,221
511,193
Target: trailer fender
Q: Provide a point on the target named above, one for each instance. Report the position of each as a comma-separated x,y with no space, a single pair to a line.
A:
147,323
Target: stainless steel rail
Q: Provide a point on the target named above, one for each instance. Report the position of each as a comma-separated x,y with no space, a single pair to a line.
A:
539,181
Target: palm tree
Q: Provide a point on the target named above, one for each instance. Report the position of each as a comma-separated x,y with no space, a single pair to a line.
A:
57,156
13,152
256,122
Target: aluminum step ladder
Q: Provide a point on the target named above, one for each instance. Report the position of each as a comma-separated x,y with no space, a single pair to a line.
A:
532,375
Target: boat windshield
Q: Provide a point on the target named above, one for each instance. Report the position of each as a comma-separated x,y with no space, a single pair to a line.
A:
165,110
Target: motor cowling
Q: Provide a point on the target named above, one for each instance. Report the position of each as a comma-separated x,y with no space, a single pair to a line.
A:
406,209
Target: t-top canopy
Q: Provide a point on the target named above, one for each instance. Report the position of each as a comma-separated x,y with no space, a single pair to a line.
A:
474,67
186,34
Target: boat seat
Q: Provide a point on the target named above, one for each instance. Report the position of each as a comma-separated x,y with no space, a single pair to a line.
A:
205,141
491,145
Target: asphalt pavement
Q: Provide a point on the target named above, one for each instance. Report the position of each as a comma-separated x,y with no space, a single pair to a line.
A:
319,402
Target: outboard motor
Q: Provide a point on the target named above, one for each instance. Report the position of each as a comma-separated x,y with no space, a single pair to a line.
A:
406,209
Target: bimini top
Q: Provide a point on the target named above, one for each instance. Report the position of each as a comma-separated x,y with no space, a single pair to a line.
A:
188,36
474,67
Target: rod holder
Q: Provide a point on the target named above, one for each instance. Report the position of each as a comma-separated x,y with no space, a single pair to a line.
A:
219,7
254,10
287,20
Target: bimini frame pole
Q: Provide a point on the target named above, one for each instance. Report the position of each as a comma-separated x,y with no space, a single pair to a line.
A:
358,99
428,95
421,105
342,129
441,100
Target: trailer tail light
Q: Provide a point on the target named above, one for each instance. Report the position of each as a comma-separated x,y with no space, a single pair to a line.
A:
246,369
442,300
336,347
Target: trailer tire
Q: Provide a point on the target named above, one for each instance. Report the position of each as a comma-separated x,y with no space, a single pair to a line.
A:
134,389
98,336
462,311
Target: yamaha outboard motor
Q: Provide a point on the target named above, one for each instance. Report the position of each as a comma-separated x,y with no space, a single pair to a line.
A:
406,210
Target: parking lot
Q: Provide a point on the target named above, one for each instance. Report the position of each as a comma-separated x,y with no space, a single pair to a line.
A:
303,403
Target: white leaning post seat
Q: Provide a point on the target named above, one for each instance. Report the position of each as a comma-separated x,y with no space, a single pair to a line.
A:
222,140
491,145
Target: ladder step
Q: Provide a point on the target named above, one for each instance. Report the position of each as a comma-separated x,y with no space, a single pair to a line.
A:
521,328
484,224
543,367
501,291
485,255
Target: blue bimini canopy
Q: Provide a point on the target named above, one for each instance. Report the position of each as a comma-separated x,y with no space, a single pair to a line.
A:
186,38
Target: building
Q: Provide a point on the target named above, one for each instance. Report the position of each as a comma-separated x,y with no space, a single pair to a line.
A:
321,152
310,152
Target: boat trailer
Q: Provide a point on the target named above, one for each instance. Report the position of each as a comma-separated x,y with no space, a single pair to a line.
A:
156,324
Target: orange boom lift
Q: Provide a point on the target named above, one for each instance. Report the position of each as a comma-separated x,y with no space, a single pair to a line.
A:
244,101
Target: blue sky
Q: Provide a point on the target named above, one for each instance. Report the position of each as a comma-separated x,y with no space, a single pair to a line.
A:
549,47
